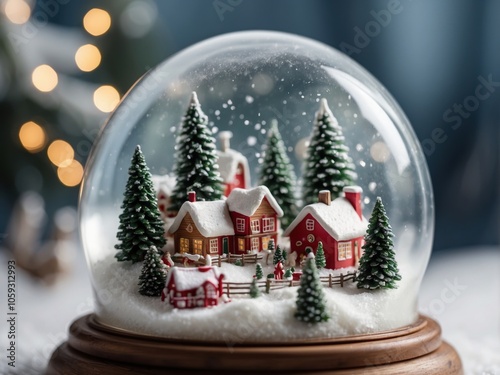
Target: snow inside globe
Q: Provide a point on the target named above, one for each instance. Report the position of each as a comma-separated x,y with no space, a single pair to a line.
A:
257,186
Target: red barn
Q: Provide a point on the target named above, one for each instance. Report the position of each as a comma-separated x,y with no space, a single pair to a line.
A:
233,166
187,288
255,215
340,225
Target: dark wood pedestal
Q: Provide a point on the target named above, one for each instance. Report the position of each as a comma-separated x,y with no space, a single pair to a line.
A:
93,348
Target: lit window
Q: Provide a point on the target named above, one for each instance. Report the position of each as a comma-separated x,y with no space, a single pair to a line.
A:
255,226
241,244
265,242
198,246
309,224
255,244
268,224
214,245
184,245
240,225
345,250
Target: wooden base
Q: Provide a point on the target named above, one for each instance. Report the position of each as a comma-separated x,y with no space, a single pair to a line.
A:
93,348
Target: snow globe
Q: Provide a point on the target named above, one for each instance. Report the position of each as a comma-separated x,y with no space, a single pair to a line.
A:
257,202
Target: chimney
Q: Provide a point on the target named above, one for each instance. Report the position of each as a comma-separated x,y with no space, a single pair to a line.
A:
225,137
192,196
353,195
325,197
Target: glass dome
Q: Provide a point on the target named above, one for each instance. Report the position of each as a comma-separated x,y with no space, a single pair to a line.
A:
243,81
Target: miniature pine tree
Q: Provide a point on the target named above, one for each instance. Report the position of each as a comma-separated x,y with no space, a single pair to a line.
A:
259,273
270,245
277,174
196,165
284,255
327,165
238,263
311,306
278,256
153,274
378,267
254,289
320,256
288,273
141,225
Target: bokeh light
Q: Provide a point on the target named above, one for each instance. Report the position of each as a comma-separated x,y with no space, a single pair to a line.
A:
88,57
71,174
32,136
44,78
106,98
380,152
17,11
97,21
60,153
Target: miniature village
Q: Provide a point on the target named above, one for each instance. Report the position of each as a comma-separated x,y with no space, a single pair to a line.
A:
203,242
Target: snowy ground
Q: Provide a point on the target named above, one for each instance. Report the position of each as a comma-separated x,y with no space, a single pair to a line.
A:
268,318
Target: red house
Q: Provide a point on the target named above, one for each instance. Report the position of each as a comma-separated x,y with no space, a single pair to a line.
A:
187,288
340,225
203,228
255,214
233,166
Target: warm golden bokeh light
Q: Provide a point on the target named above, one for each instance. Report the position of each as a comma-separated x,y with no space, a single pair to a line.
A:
71,174
106,98
17,11
60,153
32,136
88,57
97,21
380,152
44,78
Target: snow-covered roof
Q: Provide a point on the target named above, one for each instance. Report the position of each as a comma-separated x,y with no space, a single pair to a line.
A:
228,165
246,201
210,217
191,278
165,183
339,219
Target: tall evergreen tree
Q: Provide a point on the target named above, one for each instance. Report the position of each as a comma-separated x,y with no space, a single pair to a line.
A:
378,267
311,305
327,165
141,225
153,274
276,172
320,256
196,165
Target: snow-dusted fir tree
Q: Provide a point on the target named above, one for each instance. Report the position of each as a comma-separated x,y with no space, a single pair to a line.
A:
259,273
141,225
320,256
311,305
276,172
153,274
254,289
196,165
378,268
327,165
278,256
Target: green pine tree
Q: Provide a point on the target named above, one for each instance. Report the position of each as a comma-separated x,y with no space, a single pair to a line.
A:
320,256
196,165
270,245
259,273
141,225
311,305
153,274
378,268
284,255
278,175
288,273
254,289
278,256
327,165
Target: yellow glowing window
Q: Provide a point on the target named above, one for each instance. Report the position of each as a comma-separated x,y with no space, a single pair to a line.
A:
184,245
198,246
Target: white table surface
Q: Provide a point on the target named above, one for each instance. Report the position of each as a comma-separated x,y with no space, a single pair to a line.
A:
461,290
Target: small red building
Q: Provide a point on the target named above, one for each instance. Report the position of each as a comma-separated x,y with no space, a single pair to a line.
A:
187,288
233,166
340,225
255,214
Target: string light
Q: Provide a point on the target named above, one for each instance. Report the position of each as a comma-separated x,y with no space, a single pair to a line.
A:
106,98
32,136
97,21
60,153
88,57
17,11
71,174
44,78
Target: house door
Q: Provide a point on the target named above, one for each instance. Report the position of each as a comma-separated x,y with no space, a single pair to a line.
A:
225,246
